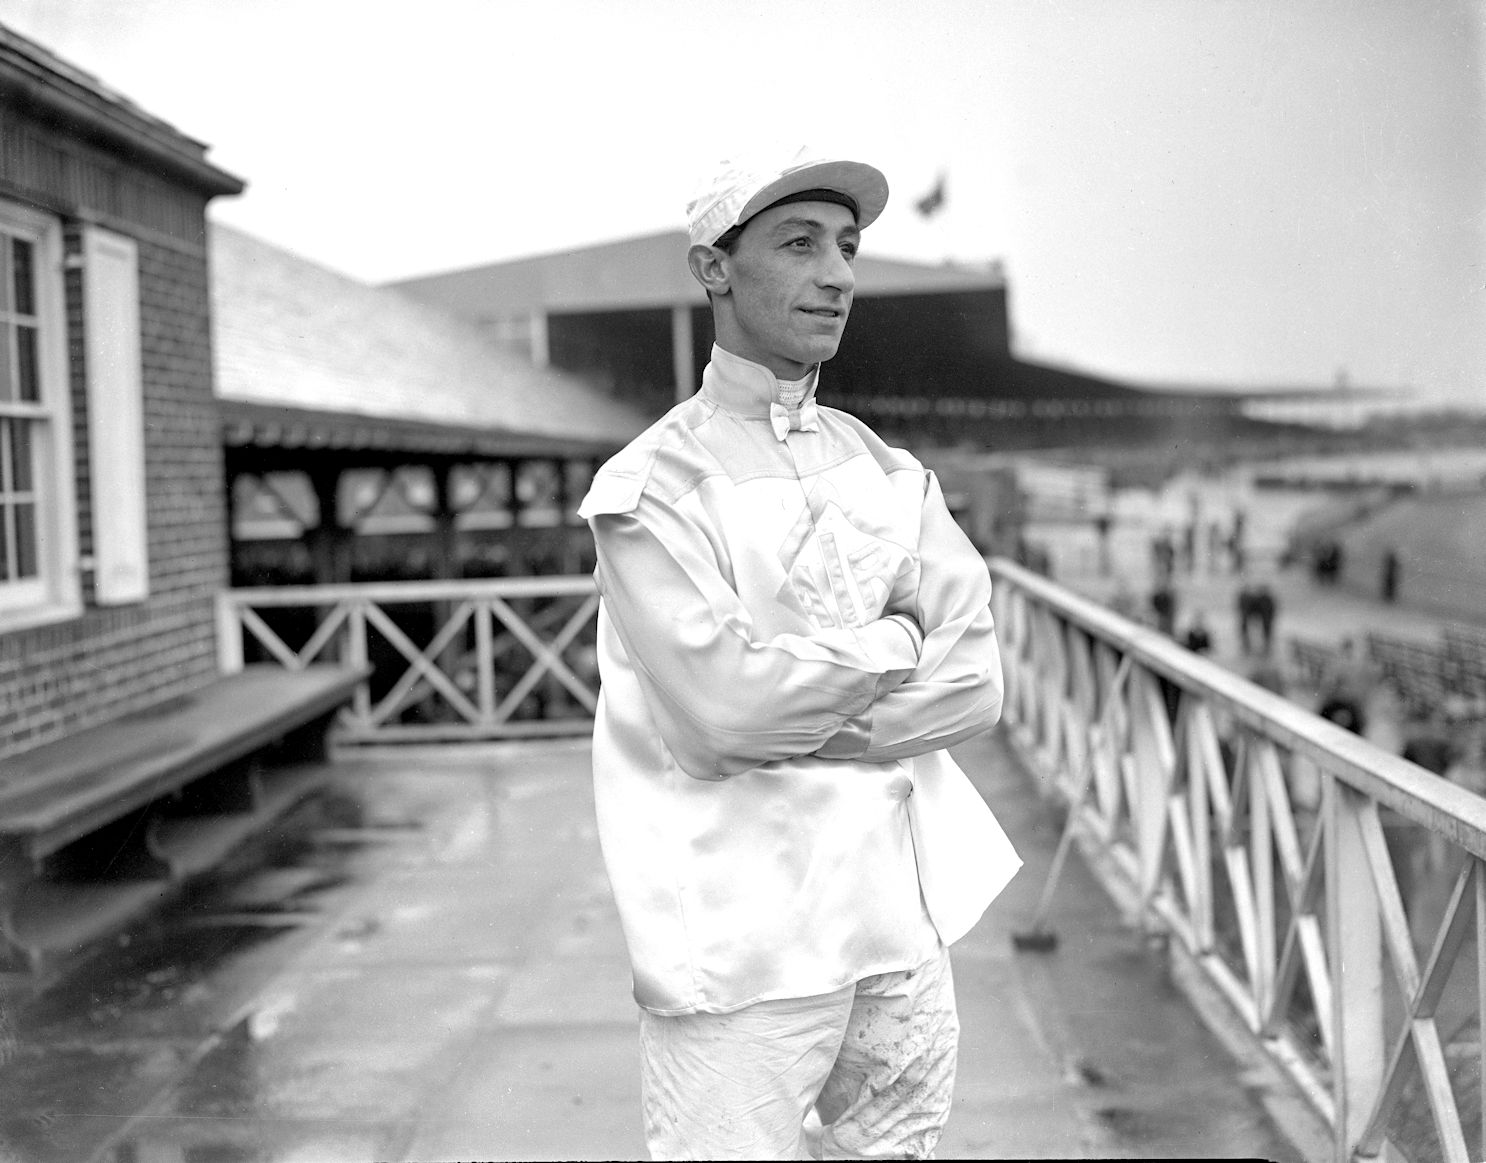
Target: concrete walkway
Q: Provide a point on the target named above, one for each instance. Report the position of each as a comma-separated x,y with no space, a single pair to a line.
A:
425,964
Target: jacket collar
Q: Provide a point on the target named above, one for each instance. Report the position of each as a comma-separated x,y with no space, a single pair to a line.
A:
746,388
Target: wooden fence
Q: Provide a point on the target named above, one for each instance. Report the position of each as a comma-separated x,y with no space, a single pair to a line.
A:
453,660
1331,891
1334,893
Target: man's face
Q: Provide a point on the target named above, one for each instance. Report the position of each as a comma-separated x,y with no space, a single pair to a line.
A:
790,286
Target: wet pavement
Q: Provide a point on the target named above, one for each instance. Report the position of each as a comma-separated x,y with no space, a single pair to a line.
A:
424,963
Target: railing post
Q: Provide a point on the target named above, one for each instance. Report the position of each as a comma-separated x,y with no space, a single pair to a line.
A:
1261,862
1354,933
1199,802
485,661
1154,757
361,708
229,635
1479,887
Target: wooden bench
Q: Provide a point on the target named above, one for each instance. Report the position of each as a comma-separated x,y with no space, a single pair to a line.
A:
99,826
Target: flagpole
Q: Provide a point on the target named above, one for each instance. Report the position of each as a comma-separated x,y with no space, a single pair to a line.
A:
941,218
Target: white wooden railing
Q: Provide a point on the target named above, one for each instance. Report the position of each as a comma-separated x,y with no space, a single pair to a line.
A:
453,660
1253,832
1328,888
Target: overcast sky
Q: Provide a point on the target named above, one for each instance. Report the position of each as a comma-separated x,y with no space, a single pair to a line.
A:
1245,192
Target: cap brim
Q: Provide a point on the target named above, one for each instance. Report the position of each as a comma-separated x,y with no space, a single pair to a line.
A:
864,184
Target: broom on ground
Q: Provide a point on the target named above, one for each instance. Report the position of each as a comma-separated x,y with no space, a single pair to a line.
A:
1039,938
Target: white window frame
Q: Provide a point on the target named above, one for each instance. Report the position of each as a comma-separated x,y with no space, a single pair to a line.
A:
56,593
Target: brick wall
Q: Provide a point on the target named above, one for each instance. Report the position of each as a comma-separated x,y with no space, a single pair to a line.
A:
115,660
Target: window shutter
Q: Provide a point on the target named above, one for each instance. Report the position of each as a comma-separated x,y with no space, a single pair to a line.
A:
115,417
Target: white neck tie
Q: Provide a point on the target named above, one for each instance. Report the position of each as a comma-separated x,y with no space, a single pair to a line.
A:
804,420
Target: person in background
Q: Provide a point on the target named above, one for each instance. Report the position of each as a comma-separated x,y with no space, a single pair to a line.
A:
1163,607
1346,689
1197,639
792,631
1237,547
1103,522
1392,569
1265,607
1214,546
1244,600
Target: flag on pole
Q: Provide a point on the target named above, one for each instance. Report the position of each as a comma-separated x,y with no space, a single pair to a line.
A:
932,202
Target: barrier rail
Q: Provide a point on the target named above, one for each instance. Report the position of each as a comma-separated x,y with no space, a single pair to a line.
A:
1278,849
453,660
1328,889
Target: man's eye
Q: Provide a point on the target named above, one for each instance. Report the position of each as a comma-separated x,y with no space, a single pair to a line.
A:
849,250
799,243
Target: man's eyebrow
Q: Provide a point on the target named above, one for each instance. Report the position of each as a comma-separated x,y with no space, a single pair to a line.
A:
814,226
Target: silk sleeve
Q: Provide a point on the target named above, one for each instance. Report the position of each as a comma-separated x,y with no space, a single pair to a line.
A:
955,690
724,697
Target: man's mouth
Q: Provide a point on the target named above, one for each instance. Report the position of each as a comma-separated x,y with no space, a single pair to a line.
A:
823,312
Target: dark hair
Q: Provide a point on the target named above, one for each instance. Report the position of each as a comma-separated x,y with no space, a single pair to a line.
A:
728,240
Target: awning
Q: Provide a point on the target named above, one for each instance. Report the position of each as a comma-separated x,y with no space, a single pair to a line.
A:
273,427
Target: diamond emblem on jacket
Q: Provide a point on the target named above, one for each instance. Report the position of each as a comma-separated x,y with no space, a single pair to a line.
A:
841,575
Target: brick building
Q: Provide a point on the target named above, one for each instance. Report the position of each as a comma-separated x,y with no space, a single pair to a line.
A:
111,488
139,743
120,457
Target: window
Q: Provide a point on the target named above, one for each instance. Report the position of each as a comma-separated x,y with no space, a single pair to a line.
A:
38,556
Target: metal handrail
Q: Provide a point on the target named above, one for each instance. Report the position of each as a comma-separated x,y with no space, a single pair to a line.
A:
1253,832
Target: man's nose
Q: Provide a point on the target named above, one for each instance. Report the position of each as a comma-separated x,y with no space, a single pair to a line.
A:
836,272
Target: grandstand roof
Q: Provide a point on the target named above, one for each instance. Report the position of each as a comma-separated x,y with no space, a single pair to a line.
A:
649,271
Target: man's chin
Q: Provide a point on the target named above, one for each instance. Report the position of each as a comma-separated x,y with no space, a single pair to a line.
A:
814,353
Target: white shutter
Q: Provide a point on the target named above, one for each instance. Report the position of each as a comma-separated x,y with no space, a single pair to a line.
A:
115,416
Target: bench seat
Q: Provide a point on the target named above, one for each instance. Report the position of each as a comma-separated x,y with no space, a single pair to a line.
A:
97,827
59,792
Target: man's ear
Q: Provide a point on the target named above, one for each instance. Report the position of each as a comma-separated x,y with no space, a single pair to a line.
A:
709,267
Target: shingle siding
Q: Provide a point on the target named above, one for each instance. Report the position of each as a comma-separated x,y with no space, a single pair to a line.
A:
112,661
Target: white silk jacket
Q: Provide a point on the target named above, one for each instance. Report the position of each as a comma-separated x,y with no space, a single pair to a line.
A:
792,630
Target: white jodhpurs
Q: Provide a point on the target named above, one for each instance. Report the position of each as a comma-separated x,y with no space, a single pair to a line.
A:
875,1059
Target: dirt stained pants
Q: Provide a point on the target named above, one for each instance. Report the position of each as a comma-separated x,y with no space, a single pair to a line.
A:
875,1058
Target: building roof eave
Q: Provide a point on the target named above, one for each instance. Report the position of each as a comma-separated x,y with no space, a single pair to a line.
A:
33,80
270,426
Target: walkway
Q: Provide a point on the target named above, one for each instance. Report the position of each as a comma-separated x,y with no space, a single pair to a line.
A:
425,964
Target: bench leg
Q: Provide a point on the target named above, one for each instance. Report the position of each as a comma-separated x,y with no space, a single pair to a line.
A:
51,910
47,923
15,959
117,851
309,743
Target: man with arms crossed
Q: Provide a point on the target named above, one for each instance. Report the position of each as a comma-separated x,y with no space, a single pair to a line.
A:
792,631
